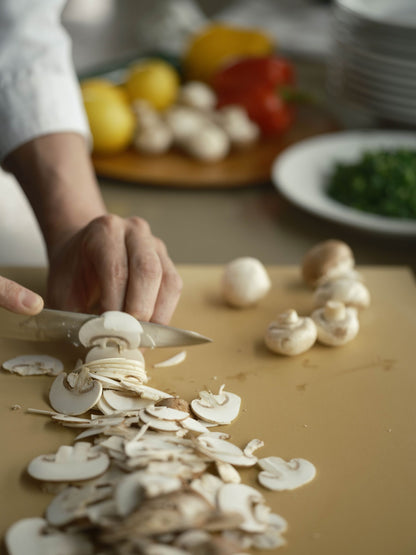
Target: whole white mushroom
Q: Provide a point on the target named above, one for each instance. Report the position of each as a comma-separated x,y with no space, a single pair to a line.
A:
244,282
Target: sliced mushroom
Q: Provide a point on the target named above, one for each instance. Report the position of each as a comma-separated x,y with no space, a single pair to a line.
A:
252,446
327,260
280,475
69,464
158,424
222,450
208,486
122,400
33,535
244,282
172,361
192,539
227,473
218,409
271,538
347,290
134,487
166,413
194,425
162,515
336,324
241,499
31,365
144,391
111,351
71,503
77,399
174,403
112,327
103,406
289,334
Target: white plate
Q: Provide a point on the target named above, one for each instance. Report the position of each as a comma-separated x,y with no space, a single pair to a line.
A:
400,13
301,171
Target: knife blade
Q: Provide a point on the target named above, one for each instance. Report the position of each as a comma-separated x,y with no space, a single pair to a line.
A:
58,325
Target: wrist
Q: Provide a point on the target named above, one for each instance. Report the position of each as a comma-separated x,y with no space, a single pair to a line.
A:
56,173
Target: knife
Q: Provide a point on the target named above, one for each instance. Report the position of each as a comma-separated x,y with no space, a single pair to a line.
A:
58,325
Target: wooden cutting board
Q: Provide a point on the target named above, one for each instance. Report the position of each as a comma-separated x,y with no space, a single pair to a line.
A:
240,168
350,410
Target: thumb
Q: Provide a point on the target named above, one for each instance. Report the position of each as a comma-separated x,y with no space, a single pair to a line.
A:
18,299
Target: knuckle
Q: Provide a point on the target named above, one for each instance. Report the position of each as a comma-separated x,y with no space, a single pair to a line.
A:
161,247
107,222
140,225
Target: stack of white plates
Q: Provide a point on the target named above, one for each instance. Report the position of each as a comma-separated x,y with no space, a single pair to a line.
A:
373,59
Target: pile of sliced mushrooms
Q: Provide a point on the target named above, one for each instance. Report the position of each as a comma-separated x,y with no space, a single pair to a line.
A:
194,126
148,473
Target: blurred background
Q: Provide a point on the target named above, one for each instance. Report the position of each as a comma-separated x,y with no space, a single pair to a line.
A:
108,34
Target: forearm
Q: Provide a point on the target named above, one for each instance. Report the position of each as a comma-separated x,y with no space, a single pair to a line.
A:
56,174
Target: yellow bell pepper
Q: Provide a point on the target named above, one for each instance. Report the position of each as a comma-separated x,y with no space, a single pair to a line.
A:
217,44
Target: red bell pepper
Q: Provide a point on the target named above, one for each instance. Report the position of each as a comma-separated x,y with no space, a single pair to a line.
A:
259,85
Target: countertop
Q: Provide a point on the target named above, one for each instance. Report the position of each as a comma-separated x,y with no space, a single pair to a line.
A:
348,410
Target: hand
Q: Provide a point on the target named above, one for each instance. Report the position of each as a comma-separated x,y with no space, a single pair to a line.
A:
114,264
18,299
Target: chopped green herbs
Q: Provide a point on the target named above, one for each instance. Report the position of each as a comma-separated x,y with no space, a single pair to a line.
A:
381,182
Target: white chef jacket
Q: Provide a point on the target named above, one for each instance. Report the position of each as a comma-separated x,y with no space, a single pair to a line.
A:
39,92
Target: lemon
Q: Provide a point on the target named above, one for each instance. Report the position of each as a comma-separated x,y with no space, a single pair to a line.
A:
155,81
96,83
110,117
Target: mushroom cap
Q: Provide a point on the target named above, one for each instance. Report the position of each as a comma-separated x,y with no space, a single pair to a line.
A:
336,324
244,282
347,290
111,325
327,260
198,95
184,121
154,139
209,143
290,334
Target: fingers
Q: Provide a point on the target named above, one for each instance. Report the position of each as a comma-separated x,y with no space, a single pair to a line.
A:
18,299
119,263
145,273
169,291
105,247
154,286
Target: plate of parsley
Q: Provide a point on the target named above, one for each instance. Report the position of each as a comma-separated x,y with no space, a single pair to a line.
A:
364,179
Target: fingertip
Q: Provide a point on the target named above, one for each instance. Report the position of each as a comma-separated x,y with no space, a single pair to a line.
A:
30,302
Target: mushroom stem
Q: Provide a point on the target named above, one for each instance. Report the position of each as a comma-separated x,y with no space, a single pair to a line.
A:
334,311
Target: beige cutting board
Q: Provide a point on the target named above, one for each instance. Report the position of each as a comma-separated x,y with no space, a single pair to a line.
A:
349,410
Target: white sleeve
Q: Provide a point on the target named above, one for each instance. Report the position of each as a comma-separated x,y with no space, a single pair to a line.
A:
39,92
